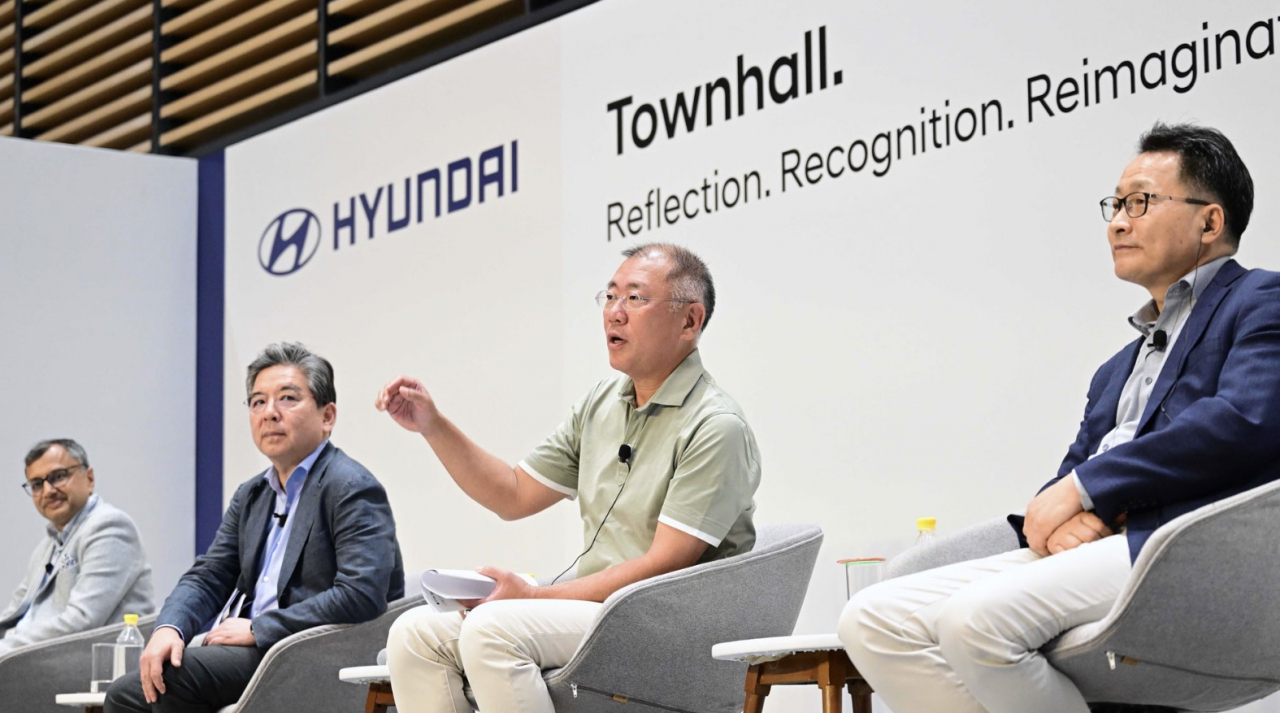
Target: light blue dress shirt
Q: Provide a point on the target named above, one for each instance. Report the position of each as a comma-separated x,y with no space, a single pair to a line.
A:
267,590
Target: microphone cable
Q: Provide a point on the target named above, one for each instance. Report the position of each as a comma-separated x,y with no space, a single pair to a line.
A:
624,457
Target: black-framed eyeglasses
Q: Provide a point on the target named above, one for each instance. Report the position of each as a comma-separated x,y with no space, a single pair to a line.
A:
55,479
1136,203
631,301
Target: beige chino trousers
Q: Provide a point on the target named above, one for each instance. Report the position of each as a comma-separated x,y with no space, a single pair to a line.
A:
965,638
501,648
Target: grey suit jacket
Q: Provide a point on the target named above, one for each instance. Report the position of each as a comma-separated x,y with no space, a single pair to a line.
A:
101,575
341,564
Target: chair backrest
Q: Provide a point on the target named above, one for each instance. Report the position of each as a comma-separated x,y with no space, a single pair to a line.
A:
652,640
981,540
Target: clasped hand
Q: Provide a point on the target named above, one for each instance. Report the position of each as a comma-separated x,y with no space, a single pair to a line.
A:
1057,522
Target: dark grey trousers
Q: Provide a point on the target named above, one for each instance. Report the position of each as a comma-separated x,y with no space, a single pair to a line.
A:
209,678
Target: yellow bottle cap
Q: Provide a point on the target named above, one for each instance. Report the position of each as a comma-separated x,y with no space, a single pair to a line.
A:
131,619
926,523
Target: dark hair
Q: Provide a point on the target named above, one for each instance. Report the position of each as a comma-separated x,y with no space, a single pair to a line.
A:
73,449
1209,163
318,369
688,277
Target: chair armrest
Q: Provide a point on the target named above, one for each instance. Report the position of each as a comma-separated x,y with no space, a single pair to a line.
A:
653,637
301,671
31,676
982,540
1202,595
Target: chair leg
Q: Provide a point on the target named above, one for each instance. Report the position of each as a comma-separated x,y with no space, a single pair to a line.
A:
832,698
831,677
861,693
380,698
756,692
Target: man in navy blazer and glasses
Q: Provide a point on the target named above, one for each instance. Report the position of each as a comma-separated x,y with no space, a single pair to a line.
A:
1185,415
310,541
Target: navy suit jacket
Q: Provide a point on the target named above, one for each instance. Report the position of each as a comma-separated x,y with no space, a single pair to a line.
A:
1211,428
341,564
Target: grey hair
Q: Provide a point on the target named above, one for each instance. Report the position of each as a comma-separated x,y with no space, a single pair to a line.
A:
73,449
318,370
689,278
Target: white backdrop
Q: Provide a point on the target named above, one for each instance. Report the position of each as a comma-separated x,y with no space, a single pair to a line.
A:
914,343
97,309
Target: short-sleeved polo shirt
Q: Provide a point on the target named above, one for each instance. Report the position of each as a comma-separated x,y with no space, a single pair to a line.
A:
694,466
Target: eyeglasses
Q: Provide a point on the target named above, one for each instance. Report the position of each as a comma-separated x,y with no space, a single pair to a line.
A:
630,302
1135,204
285,402
55,480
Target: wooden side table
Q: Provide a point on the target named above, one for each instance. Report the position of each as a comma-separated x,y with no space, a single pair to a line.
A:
90,702
378,678
798,660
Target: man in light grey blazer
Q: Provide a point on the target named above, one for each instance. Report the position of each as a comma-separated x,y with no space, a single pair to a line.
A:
90,569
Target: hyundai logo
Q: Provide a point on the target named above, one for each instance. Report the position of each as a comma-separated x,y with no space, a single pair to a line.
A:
289,242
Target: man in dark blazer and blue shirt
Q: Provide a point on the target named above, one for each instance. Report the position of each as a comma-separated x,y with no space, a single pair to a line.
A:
310,541
1187,414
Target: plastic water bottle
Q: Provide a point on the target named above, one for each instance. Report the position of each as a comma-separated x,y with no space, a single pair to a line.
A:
926,526
128,648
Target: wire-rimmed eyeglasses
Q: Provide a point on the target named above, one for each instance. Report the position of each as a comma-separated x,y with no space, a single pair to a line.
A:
631,301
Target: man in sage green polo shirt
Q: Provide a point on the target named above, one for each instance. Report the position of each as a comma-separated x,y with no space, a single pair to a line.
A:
661,460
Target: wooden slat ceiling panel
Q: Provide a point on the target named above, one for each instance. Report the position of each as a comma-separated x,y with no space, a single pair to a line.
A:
357,8
6,85
256,49
144,147
244,111
259,19
95,95
6,61
257,78
6,35
101,118
125,134
93,44
79,25
7,12
6,110
181,4
415,41
122,55
205,15
54,12
391,20
6,130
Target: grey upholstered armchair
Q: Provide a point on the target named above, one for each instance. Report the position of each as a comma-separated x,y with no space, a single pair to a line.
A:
31,676
1194,628
649,649
299,673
